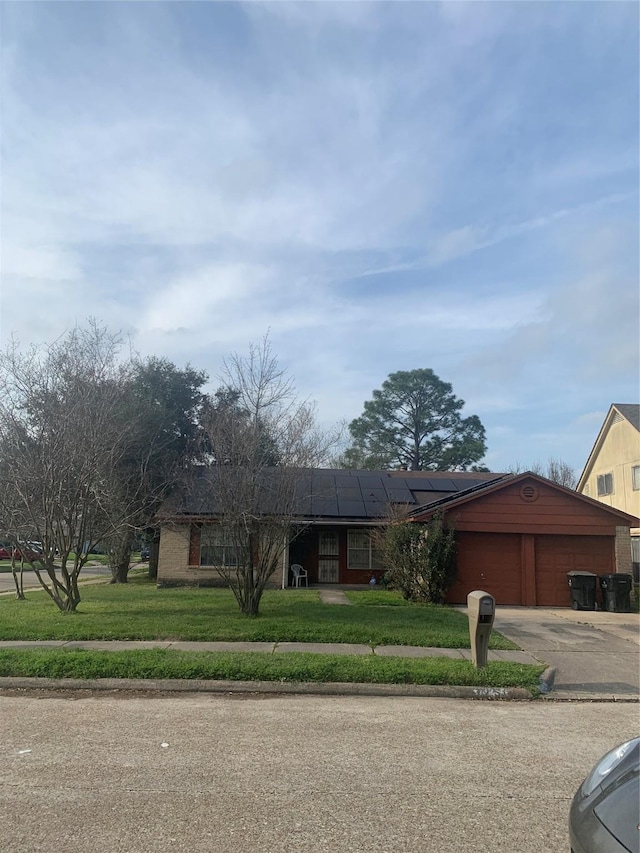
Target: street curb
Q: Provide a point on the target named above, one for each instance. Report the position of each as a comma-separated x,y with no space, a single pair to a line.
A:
586,698
546,680
269,687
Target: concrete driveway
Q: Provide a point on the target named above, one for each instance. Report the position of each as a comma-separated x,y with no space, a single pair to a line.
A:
596,654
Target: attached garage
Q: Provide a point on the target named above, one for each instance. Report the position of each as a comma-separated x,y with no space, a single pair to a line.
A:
489,561
557,555
517,540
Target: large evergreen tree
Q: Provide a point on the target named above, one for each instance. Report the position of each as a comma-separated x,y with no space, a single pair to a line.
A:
414,420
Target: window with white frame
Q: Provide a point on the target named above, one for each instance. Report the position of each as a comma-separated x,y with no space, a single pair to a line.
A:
361,551
635,477
217,547
605,484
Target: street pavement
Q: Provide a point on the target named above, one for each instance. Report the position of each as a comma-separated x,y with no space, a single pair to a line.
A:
8,587
120,773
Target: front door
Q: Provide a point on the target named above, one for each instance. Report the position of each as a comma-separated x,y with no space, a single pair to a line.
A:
328,553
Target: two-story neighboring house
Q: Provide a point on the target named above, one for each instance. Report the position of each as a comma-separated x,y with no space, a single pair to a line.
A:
612,472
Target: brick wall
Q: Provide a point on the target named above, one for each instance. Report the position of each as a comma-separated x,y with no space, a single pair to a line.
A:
173,561
173,554
623,550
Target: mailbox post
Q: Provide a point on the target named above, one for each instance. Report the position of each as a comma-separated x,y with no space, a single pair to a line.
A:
482,609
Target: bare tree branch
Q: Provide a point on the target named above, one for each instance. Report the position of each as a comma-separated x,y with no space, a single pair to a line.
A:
261,439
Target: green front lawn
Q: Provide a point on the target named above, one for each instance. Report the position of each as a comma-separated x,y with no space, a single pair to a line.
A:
140,611
162,663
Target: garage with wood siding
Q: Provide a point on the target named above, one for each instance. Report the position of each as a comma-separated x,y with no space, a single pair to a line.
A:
518,539
491,562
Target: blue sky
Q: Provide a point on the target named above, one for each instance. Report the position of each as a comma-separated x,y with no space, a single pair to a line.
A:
383,187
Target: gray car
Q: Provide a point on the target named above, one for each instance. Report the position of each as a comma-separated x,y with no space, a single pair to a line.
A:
605,813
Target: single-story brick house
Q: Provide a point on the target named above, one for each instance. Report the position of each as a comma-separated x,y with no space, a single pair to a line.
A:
517,535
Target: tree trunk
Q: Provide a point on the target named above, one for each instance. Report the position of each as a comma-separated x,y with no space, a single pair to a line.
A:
18,579
122,558
154,552
120,573
251,605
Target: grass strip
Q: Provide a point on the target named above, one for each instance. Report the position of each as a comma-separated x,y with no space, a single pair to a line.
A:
140,611
377,598
255,666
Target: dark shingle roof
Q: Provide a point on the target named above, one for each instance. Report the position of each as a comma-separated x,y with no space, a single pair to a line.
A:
342,494
630,411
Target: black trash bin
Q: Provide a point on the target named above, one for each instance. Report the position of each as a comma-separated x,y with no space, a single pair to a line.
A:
583,590
616,593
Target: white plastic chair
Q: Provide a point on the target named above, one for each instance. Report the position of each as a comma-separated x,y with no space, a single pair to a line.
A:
299,574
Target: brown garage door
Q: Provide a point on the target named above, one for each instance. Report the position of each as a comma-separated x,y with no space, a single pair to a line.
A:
491,562
557,555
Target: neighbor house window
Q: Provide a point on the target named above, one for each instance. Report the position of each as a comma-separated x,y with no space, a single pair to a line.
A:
605,484
635,477
217,547
361,551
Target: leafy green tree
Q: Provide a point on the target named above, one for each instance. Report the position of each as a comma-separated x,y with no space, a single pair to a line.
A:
165,404
242,436
414,421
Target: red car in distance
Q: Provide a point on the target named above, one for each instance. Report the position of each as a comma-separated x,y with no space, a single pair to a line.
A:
29,549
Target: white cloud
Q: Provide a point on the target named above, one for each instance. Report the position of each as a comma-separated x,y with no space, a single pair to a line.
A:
383,185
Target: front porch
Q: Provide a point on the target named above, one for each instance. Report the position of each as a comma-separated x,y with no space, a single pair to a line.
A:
343,557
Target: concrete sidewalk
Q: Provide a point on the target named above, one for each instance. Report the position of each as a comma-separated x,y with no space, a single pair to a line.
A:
269,648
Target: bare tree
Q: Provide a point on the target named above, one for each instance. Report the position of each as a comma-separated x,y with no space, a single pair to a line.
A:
261,439
555,470
65,426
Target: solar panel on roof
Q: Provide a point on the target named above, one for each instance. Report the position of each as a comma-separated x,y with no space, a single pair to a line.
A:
445,485
374,494
370,482
421,483
345,482
349,494
375,509
326,488
321,506
349,509
399,495
303,506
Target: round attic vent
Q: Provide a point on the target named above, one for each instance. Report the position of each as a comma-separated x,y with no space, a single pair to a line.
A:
529,493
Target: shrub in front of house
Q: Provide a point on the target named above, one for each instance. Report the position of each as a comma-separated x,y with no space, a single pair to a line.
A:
420,558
